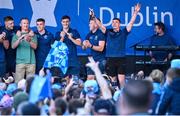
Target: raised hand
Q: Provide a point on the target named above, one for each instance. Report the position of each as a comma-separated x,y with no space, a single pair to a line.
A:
137,7
91,12
92,64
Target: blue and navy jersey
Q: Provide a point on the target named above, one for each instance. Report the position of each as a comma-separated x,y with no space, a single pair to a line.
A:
10,53
72,56
94,39
116,43
44,45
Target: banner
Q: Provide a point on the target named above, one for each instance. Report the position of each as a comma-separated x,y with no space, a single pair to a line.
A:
52,10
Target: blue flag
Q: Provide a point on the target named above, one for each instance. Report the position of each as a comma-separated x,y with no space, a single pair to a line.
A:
40,88
57,57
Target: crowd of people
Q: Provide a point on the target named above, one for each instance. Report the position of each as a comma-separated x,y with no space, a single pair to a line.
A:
105,91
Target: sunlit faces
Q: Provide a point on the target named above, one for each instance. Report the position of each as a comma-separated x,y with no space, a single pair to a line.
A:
9,24
24,24
40,26
65,23
115,24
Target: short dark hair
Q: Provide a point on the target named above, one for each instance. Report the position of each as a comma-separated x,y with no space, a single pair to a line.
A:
8,18
61,106
137,93
160,25
65,17
117,19
40,20
24,18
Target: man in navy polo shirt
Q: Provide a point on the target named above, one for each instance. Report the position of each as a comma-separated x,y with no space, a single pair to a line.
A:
10,53
44,39
71,38
95,40
115,46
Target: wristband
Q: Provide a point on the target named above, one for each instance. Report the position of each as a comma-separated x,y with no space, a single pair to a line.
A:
91,46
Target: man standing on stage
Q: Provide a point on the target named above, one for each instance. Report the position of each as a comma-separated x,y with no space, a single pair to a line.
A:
26,42
115,46
10,31
95,40
71,38
45,39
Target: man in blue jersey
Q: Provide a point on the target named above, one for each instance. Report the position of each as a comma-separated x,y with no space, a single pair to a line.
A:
71,38
95,40
115,46
10,53
44,39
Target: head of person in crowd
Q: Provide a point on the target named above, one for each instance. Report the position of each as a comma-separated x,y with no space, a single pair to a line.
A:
60,106
174,70
116,24
140,75
56,93
104,107
6,104
157,76
27,108
24,23
91,88
74,93
65,21
22,84
135,97
19,98
9,22
74,105
40,23
159,28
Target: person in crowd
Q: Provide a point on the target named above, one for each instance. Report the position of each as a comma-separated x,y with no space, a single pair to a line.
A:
135,98
157,77
169,102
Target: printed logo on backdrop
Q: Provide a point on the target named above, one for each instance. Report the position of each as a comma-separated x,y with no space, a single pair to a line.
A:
6,4
43,9
150,13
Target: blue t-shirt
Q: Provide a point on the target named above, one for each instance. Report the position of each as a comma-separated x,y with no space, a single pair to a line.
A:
72,56
94,39
163,40
116,43
10,53
44,45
